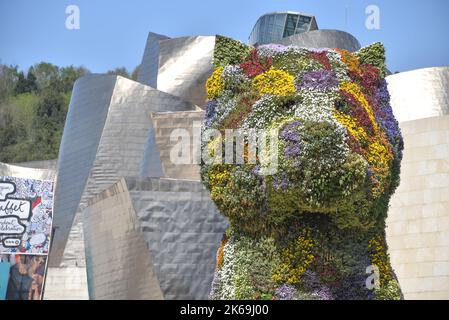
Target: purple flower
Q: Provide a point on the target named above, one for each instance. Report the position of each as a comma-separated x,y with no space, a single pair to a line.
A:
386,120
312,281
291,136
382,93
285,292
211,113
319,80
281,181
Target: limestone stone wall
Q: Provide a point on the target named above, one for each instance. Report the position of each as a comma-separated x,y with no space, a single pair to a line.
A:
418,220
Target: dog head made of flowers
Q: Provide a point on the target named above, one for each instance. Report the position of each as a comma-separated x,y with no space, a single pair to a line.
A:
339,146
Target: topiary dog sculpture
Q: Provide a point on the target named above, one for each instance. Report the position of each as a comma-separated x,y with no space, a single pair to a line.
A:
313,228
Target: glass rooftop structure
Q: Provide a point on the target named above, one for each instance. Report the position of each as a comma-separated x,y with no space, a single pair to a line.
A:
278,25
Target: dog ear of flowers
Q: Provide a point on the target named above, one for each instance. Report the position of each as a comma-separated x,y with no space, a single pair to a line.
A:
339,156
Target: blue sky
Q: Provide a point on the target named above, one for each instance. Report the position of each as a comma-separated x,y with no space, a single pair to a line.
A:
113,33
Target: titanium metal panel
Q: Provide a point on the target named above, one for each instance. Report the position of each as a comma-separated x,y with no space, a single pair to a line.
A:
183,229
85,119
164,123
104,138
44,164
125,134
26,172
419,94
119,265
68,281
150,61
184,66
177,221
323,39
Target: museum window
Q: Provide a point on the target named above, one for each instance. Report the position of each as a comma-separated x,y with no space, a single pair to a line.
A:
303,24
290,25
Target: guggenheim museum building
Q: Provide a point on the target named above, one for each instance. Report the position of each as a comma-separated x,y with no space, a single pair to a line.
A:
130,224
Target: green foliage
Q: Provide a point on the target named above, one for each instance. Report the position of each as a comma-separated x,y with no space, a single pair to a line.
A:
121,71
8,79
26,84
68,76
375,56
337,163
295,62
391,291
33,110
135,73
44,73
229,51
252,263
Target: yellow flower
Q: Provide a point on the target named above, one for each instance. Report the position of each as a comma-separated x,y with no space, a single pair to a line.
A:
351,124
276,82
215,84
378,151
355,90
296,258
380,258
379,155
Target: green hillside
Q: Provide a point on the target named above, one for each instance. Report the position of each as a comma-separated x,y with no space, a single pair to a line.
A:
33,107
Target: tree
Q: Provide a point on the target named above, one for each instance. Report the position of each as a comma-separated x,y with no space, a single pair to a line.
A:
31,81
121,71
44,72
68,76
8,80
50,106
135,73
11,130
26,85
21,84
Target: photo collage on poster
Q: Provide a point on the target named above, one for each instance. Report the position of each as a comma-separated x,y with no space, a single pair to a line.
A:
26,216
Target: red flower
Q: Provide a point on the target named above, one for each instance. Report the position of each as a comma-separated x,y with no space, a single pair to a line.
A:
370,78
322,58
358,112
256,66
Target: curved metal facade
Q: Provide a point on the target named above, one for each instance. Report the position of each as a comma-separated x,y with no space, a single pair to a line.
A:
119,265
163,124
125,133
178,66
27,172
104,138
166,231
421,93
149,66
323,39
184,66
87,113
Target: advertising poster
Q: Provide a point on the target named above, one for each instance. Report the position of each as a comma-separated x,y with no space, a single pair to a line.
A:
26,216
